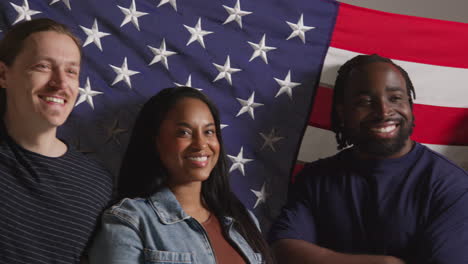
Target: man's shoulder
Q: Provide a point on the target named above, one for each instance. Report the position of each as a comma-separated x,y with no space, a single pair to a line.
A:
7,155
438,161
327,169
82,159
87,169
440,172
330,162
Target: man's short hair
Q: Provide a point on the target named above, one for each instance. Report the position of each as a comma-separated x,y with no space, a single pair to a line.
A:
344,72
13,41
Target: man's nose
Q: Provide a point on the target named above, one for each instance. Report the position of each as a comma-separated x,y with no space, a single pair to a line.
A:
57,80
383,108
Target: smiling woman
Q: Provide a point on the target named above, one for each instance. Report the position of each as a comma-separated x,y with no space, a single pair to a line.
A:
188,140
176,194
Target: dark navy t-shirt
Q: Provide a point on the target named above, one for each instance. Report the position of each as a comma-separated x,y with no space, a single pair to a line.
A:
49,205
414,207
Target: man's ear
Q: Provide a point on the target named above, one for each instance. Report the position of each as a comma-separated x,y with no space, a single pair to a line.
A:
340,113
3,74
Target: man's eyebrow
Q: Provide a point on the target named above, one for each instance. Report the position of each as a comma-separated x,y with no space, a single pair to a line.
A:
361,92
74,63
394,89
51,59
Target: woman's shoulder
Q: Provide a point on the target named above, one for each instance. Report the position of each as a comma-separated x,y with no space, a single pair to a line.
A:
131,210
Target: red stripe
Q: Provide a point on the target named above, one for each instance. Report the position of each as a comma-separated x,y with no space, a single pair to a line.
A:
401,37
434,124
297,168
321,110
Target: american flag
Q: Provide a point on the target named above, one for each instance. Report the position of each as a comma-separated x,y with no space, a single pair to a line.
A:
262,62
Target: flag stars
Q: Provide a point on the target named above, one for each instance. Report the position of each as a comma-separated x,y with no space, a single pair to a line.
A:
131,14
235,14
123,73
161,54
260,49
286,85
197,33
238,162
188,83
172,2
299,29
81,148
248,105
86,94
261,196
24,13
270,139
94,35
225,71
113,132
66,2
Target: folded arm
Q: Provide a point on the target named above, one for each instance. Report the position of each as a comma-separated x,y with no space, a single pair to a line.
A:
302,252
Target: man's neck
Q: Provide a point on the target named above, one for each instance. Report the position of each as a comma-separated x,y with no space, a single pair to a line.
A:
409,145
41,140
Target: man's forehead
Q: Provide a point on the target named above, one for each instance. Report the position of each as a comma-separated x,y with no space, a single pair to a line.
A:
373,68
367,76
49,43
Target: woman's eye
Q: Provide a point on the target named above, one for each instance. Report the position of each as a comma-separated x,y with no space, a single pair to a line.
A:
210,132
183,133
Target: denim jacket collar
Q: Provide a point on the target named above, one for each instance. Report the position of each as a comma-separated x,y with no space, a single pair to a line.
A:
167,207
169,210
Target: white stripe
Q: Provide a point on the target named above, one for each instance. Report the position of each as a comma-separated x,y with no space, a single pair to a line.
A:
317,143
320,143
456,154
434,85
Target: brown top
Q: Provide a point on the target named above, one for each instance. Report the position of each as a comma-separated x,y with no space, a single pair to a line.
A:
224,252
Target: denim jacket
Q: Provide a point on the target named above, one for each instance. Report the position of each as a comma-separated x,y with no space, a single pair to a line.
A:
157,230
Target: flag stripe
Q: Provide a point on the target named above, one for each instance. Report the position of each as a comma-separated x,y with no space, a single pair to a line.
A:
428,80
401,37
321,143
434,124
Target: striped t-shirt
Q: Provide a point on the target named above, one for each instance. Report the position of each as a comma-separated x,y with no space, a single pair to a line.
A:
48,206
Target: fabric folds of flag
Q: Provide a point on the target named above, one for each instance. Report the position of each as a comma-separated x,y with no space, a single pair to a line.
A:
433,52
258,60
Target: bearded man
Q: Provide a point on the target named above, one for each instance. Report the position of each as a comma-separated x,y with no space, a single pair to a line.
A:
384,198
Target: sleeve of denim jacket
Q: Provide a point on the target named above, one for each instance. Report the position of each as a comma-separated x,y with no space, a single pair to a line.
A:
118,242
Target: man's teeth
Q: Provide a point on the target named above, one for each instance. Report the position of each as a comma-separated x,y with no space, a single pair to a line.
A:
54,100
204,158
384,129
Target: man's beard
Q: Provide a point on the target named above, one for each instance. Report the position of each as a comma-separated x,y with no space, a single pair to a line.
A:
380,147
